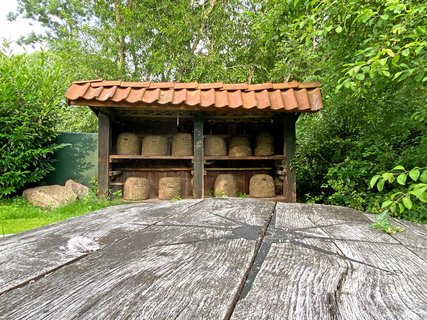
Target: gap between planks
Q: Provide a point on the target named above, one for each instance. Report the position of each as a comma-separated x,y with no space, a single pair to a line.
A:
250,270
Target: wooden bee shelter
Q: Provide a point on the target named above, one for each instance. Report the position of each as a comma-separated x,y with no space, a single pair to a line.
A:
197,133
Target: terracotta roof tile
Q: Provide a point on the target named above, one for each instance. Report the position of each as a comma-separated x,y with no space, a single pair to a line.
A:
161,85
135,95
166,96
107,93
221,98
263,100
179,96
249,99
276,100
121,94
314,84
206,86
235,86
188,85
135,84
285,97
193,97
151,95
260,86
235,99
105,83
92,93
77,91
285,85
303,101
290,100
207,98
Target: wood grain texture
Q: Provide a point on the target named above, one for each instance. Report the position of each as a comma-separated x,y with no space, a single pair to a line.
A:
326,262
104,148
197,264
32,254
215,259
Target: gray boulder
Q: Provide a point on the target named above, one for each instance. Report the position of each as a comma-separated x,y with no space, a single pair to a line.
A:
79,189
49,196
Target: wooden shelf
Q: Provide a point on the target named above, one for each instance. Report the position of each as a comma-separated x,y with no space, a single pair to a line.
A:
240,169
276,157
142,157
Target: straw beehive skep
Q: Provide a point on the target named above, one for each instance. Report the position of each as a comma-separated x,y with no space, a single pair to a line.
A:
264,145
225,185
215,146
240,147
169,188
136,188
182,145
154,146
261,186
127,144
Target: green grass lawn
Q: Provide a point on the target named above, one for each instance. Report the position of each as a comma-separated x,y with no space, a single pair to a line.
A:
17,215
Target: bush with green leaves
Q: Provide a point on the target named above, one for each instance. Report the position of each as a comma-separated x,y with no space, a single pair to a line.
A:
29,108
410,194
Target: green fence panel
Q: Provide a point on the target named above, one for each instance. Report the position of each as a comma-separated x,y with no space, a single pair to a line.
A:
77,161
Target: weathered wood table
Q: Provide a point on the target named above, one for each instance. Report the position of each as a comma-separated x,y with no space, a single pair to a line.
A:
215,259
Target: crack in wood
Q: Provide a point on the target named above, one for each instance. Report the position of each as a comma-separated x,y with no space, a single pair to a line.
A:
44,274
341,256
103,249
260,253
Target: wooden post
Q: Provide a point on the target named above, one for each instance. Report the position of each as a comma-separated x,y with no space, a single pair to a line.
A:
104,147
198,183
289,179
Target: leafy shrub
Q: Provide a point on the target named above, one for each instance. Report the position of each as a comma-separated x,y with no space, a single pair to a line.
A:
29,101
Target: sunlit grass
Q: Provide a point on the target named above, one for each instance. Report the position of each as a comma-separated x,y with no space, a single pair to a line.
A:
17,215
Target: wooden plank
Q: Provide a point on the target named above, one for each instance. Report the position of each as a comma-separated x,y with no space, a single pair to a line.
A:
276,157
181,268
104,148
238,169
142,157
198,178
315,276
32,254
289,146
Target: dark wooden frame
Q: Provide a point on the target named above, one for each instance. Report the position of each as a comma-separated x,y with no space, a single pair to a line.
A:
289,144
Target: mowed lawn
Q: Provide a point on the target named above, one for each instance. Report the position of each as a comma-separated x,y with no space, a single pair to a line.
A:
17,215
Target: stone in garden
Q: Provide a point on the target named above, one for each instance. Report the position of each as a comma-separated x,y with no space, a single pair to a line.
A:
79,189
49,196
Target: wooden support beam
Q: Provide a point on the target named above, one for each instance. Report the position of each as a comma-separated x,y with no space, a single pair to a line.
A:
104,147
198,183
289,179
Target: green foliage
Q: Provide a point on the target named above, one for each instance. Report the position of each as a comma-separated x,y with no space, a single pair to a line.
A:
383,223
411,188
29,102
370,57
176,199
17,215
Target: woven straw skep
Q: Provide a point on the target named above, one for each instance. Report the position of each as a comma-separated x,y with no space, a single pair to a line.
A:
155,146
169,188
215,146
127,144
225,185
182,145
262,186
136,188
264,145
240,147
